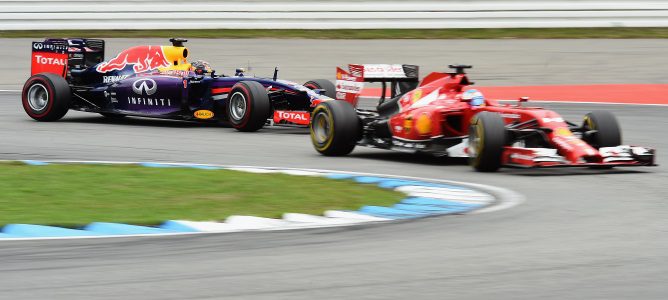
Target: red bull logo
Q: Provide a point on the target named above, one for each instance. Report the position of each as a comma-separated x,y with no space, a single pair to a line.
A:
143,58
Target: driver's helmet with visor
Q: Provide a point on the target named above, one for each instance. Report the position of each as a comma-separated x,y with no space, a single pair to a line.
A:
201,67
473,97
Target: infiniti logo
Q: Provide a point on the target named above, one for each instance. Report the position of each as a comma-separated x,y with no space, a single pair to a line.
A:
145,85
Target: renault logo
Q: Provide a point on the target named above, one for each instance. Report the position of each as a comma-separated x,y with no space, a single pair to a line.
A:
144,86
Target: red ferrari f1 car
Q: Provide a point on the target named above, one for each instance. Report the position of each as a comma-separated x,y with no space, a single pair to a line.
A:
442,117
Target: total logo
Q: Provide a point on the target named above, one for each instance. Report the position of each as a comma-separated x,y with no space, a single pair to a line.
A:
296,117
50,60
144,86
293,115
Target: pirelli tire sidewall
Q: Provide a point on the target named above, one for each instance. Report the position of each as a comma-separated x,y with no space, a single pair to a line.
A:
59,96
490,129
335,128
258,106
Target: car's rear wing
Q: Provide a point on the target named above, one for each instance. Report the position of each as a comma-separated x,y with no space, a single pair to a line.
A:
349,84
60,55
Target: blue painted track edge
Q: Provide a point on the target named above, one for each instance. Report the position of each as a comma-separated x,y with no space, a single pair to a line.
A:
409,208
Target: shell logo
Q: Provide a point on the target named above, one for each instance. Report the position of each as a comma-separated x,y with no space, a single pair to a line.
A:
562,131
203,114
417,94
423,124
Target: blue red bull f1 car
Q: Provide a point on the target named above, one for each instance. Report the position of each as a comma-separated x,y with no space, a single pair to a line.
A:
159,82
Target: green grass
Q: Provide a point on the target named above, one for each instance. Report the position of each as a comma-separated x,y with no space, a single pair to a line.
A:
74,195
485,33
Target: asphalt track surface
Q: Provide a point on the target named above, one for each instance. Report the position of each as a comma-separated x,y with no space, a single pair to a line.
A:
581,234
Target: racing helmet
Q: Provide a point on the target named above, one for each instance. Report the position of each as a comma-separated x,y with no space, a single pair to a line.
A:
474,97
201,67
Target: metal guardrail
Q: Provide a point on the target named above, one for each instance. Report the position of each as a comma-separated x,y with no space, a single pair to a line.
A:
286,14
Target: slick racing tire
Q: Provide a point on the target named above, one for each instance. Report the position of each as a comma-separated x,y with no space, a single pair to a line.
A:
322,84
248,106
601,129
487,137
335,128
46,97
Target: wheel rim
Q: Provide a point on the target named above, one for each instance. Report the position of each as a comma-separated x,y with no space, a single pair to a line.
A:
237,106
321,128
38,97
474,141
589,124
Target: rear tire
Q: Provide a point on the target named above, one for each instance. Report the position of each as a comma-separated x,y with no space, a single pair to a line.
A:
248,106
487,137
335,128
608,132
46,97
323,84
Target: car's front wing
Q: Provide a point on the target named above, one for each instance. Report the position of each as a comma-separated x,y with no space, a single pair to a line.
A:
619,156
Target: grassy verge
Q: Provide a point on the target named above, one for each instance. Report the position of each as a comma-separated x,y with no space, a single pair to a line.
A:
485,33
71,195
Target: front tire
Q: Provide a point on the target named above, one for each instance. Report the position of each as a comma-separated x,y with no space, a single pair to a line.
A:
487,137
322,84
46,97
248,106
601,129
335,128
